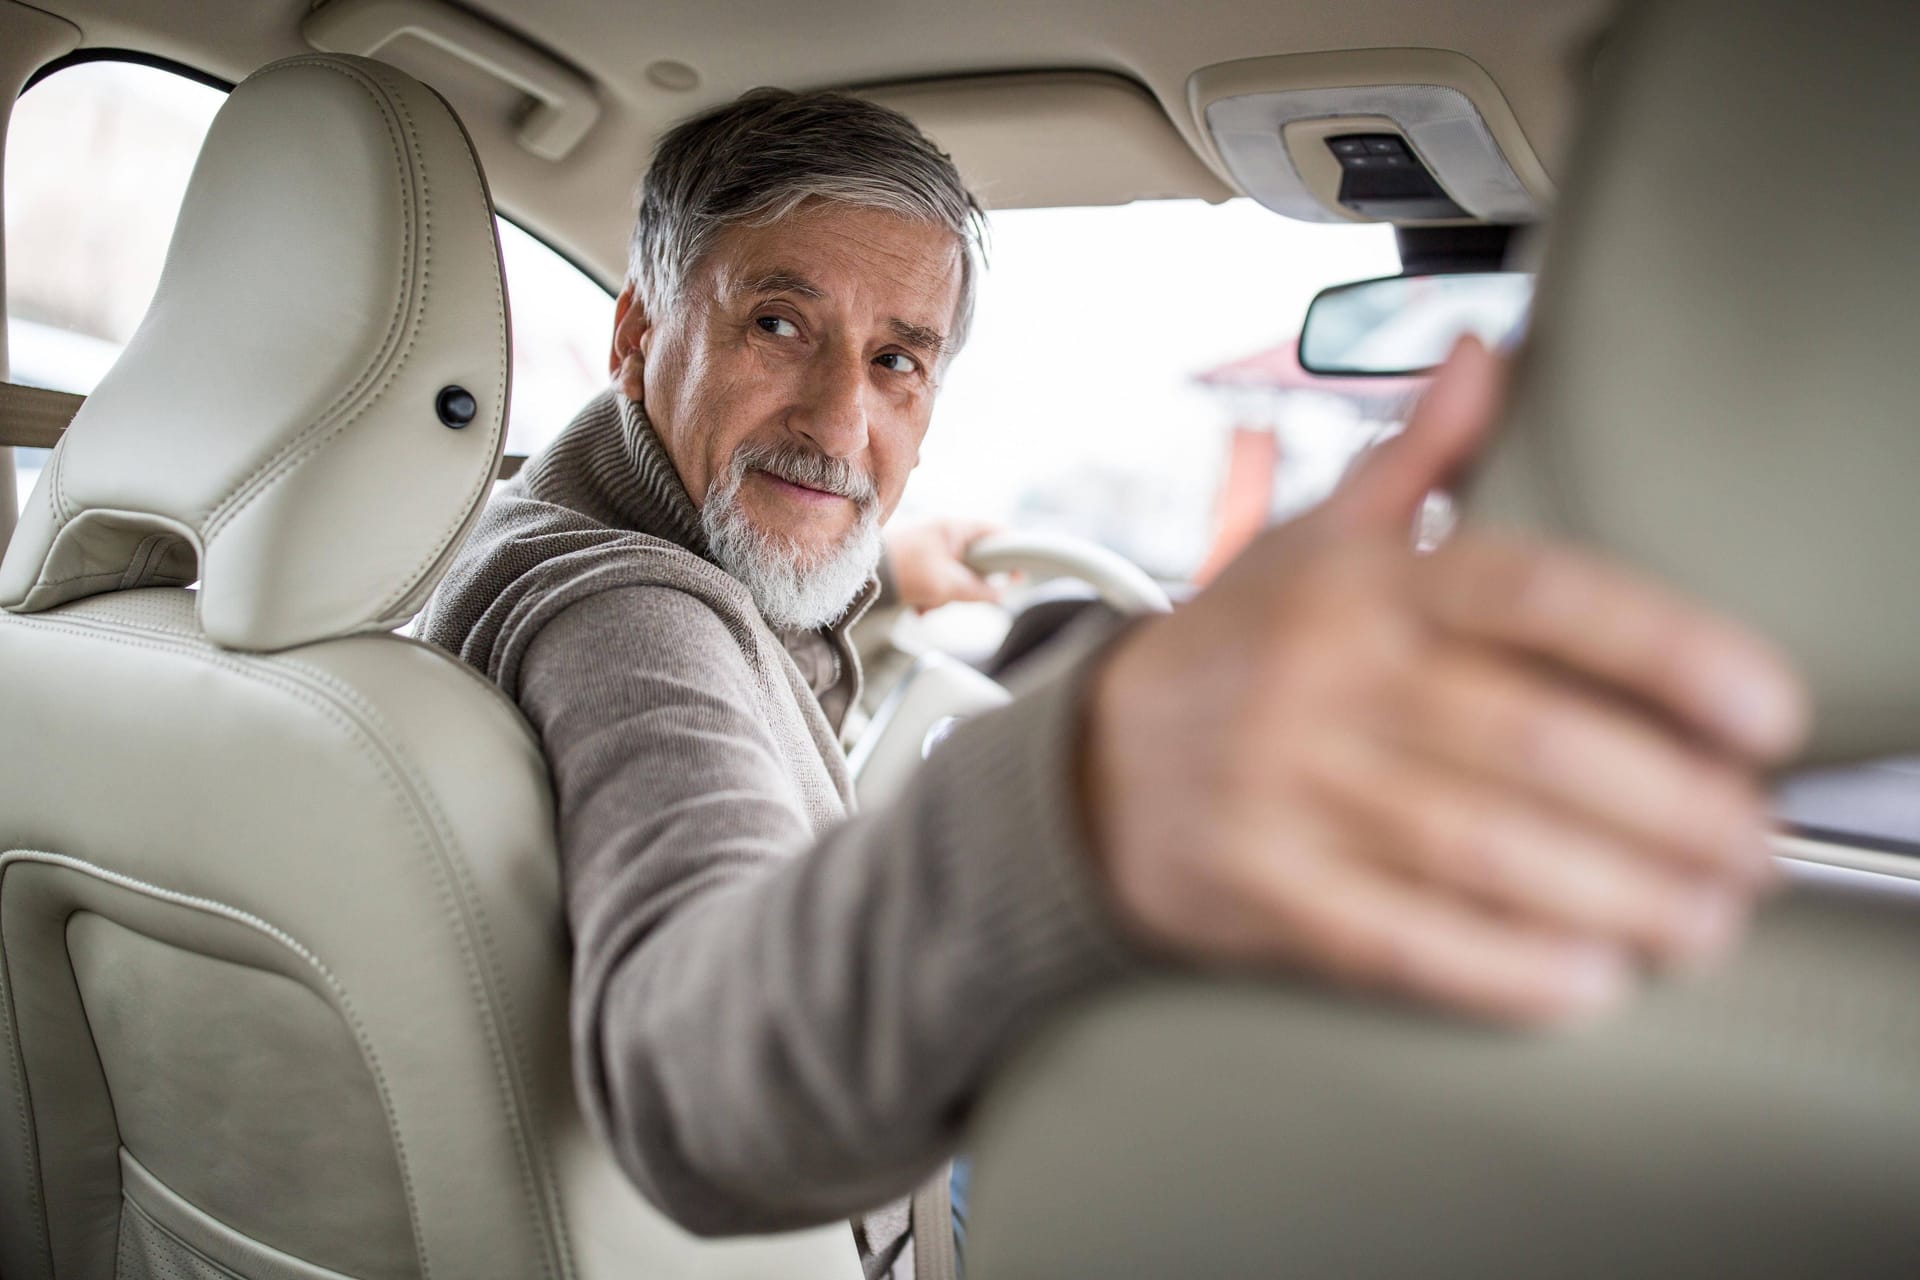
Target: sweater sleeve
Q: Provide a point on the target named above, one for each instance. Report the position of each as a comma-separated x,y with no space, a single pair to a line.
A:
773,1030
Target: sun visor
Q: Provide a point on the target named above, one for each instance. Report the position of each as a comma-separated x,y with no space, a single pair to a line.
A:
1386,135
1036,140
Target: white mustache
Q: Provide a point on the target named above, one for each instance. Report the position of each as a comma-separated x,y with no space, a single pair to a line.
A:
799,465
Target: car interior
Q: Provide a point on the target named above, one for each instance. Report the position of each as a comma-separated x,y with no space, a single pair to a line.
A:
283,967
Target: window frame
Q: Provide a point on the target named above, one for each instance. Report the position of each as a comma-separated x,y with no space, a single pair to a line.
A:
159,62
510,463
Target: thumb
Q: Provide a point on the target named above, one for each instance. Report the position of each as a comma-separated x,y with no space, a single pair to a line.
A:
1451,424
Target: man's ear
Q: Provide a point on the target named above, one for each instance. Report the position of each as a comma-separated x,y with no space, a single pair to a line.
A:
627,360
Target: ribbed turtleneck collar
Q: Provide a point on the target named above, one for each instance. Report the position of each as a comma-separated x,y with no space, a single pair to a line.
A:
611,465
659,503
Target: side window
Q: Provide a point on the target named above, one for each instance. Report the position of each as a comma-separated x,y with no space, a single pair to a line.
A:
562,331
97,160
98,156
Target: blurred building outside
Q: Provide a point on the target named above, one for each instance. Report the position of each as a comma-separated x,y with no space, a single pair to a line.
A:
1291,437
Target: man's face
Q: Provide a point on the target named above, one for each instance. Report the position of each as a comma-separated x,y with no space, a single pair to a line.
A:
824,332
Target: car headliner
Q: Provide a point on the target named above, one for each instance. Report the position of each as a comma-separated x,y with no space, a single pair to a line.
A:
1535,50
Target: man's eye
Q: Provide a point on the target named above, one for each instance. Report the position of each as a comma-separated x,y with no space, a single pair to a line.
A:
907,364
778,326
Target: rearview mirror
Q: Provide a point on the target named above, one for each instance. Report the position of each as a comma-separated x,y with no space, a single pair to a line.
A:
1401,325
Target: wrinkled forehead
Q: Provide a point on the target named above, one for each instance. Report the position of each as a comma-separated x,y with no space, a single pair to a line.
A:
850,258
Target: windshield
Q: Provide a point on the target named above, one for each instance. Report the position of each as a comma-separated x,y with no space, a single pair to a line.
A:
1131,378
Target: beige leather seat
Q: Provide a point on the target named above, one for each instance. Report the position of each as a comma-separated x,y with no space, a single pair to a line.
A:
1722,386
282,964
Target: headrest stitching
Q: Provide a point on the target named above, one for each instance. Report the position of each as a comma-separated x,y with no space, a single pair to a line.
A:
215,518
142,560
390,362
97,575
55,502
469,510
263,477
305,448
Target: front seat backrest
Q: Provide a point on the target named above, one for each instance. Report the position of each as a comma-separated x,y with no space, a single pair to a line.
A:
282,962
1720,386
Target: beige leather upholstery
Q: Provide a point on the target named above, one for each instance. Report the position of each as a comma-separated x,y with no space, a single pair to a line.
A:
1763,1123
1722,388
373,283
282,963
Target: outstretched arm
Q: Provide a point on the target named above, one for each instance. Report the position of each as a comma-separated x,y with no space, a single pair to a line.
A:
772,1026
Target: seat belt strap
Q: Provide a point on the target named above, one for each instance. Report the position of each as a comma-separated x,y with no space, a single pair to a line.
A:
934,1255
33,417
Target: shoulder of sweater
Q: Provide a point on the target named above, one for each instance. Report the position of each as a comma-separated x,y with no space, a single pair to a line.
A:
527,560
519,533
617,614
648,627
555,548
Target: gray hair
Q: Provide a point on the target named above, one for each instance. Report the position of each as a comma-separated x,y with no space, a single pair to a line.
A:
756,159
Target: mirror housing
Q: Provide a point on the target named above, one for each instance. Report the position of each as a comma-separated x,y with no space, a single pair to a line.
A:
1401,325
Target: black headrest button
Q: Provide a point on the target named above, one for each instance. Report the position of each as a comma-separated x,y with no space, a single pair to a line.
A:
456,406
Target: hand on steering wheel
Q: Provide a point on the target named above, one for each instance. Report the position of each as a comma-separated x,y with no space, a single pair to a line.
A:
935,691
1042,556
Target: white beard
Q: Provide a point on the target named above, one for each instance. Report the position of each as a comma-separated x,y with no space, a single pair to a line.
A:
794,589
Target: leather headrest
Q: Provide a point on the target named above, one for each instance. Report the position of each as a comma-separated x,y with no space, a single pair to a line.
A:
274,426
1722,383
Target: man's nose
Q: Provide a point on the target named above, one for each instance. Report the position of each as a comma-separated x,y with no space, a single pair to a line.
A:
832,411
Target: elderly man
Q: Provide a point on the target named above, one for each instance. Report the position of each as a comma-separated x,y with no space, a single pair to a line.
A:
1499,778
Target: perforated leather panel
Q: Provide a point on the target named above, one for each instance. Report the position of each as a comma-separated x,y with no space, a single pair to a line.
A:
244,1092
148,1251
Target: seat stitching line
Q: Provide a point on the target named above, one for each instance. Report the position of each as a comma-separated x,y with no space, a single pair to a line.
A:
218,515
55,501
510,1076
480,683
367,727
259,671
23,1105
143,558
213,906
115,574
488,982
174,1236
469,510
215,517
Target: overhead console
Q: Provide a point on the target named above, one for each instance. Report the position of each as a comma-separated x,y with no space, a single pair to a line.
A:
1409,136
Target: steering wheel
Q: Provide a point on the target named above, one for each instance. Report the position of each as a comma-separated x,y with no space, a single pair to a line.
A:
937,691
1041,556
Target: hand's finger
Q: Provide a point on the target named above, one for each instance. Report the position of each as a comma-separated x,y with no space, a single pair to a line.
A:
1513,727
1632,636
963,584
1448,427
1544,869
1376,931
962,534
